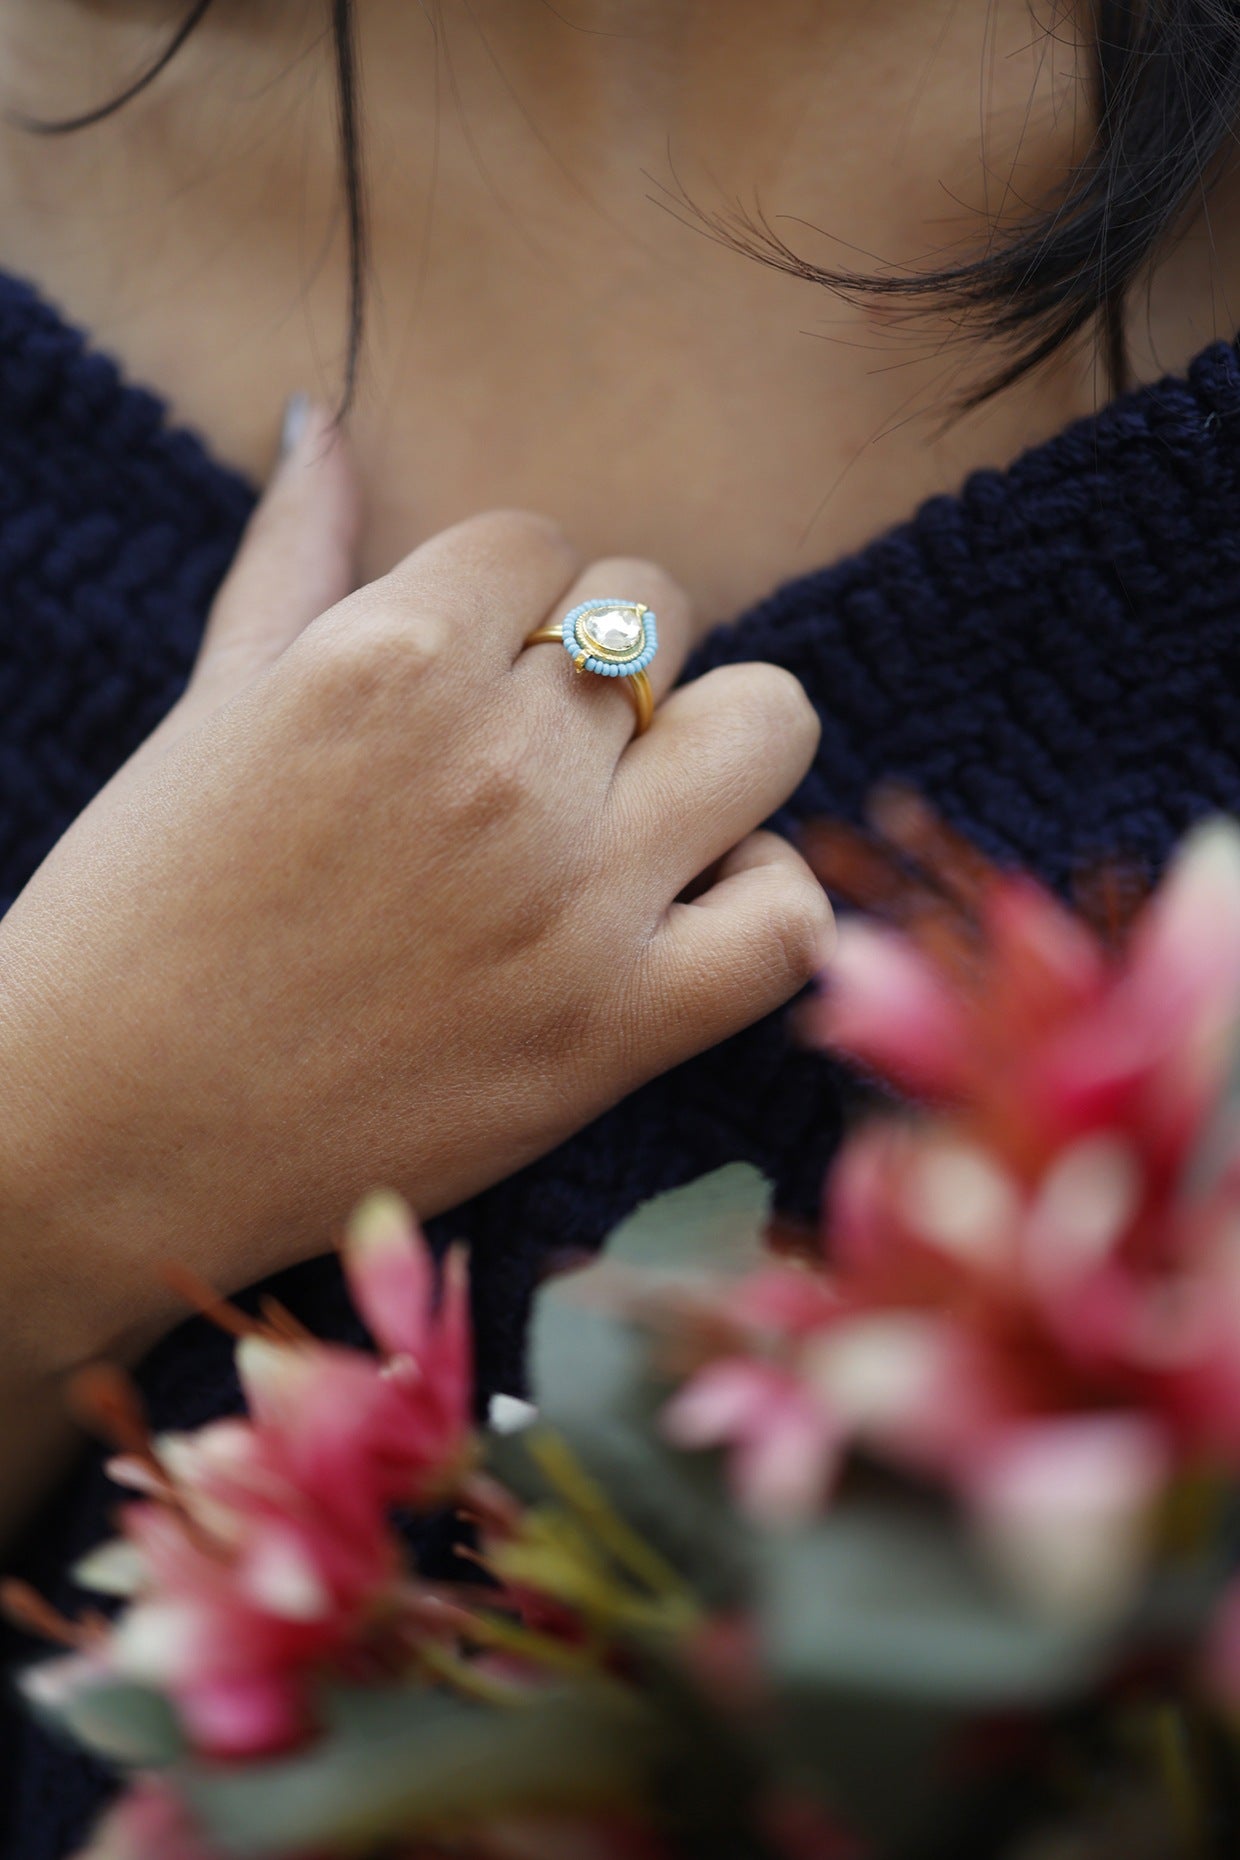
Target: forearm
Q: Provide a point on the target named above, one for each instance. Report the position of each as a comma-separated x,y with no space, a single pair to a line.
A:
60,1304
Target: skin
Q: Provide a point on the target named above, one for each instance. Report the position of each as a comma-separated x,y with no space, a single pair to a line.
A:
386,898
546,335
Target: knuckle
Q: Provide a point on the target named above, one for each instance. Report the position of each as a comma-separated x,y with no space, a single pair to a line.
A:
635,577
456,573
646,1000
785,705
796,927
505,532
498,789
371,646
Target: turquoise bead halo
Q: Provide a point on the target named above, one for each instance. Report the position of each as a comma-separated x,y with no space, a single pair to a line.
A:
582,633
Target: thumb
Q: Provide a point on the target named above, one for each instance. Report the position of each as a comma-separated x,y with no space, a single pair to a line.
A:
296,559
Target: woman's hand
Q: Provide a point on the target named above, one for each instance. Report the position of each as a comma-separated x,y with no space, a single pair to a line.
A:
387,898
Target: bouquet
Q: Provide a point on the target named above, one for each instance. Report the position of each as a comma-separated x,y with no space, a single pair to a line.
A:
915,1537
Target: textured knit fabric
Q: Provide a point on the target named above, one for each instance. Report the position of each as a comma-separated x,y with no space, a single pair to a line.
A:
1051,656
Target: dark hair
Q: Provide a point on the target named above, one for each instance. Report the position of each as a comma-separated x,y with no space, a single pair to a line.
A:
1165,105
343,28
1165,102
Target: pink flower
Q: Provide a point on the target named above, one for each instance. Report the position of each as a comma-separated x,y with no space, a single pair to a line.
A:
1027,1298
888,1007
785,1444
263,1555
231,1632
359,1431
247,1586
1038,1033
1065,1506
150,1822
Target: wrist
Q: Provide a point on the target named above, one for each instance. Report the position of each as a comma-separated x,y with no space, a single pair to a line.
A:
72,1218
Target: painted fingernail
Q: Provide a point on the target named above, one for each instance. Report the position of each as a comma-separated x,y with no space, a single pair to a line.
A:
296,416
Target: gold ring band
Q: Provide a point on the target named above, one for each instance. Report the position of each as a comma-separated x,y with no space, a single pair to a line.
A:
638,685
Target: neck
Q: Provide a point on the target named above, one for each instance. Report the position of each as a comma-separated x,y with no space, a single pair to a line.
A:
808,107
855,127
527,293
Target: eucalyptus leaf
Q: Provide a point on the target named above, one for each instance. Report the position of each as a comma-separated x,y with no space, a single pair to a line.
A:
126,1723
587,1359
674,1502
414,1762
884,1636
715,1223
587,1362
591,1390
883,1600
589,1370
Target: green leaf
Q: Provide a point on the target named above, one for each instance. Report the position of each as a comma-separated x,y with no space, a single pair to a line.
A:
674,1502
716,1223
591,1391
125,1723
884,1636
589,1376
413,1762
587,1359
885,1600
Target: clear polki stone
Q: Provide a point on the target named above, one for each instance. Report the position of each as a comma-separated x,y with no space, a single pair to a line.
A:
614,629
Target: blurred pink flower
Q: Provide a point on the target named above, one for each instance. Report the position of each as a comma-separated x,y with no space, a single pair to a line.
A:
363,1432
150,1822
1038,1033
262,1554
232,1626
1028,1297
785,1444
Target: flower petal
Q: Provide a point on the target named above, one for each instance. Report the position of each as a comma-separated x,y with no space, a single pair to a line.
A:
1064,1508
246,1716
885,1005
113,1568
390,1273
721,1400
279,1575
1186,945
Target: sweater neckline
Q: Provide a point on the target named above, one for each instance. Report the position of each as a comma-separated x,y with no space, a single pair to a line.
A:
1064,449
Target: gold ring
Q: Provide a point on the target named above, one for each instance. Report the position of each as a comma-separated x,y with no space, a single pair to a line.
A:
611,639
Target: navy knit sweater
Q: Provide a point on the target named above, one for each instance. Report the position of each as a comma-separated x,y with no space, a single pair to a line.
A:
1053,657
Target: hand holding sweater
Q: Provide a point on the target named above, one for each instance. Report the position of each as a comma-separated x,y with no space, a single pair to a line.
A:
386,898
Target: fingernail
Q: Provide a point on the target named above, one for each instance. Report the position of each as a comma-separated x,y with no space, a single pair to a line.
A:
296,417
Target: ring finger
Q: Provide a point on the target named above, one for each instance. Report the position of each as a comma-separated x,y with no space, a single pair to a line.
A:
590,705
